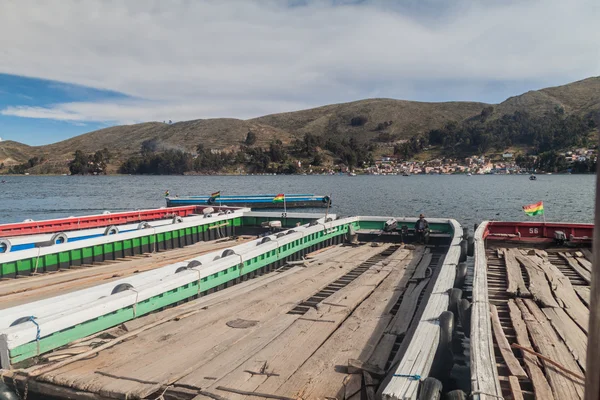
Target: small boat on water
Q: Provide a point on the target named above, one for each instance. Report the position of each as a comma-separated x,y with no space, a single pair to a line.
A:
532,177
253,201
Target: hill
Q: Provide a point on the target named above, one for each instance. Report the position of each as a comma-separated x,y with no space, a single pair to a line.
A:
365,120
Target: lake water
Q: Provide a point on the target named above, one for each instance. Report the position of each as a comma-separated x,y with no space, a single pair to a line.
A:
568,198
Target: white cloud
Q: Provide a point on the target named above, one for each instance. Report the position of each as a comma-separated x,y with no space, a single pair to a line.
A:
244,58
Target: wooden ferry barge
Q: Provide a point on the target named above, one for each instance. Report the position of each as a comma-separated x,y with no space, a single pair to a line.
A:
314,307
530,308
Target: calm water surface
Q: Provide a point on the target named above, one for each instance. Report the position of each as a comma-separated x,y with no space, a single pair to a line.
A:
468,199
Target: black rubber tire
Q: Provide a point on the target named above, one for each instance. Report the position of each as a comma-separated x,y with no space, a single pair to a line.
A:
6,393
207,215
227,253
463,251
471,246
5,246
464,315
454,300
177,219
290,232
181,269
217,257
461,273
121,287
21,320
111,230
59,238
455,395
280,234
264,240
446,328
430,389
328,220
313,222
193,263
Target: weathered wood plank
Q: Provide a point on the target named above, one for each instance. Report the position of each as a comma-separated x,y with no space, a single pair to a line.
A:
565,295
537,377
516,284
421,272
515,388
584,294
399,325
550,345
572,335
581,271
511,361
353,387
538,284
484,374
383,350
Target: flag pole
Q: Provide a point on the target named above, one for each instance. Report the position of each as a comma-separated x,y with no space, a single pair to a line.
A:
284,206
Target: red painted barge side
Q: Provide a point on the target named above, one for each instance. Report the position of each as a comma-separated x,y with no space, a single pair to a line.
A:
537,231
94,221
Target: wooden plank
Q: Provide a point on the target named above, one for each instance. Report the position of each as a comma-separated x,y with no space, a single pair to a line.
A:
571,334
353,387
516,284
550,345
515,388
585,263
587,254
485,384
402,320
294,346
565,294
584,294
538,284
511,361
369,386
581,271
532,365
421,272
383,350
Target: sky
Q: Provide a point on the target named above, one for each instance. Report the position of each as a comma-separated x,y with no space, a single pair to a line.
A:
68,67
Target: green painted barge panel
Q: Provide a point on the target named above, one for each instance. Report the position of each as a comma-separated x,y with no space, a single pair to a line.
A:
100,252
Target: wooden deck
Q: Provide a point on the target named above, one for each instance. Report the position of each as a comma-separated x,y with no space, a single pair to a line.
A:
538,303
14,292
302,332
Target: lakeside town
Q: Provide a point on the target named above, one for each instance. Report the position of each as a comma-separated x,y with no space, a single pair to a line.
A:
509,163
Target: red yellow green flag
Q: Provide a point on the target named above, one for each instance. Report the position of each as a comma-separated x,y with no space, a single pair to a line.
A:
216,194
534,209
279,198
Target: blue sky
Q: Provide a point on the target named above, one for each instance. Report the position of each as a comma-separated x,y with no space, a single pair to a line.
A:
68,67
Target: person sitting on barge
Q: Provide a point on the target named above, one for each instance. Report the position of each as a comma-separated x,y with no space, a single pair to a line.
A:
422,229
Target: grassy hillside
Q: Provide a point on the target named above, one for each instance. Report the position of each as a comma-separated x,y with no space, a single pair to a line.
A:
363,120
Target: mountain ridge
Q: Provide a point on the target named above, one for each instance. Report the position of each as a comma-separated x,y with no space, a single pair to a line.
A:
363,119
